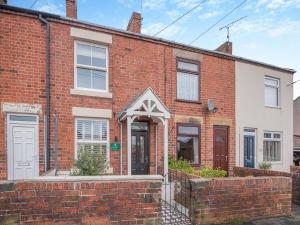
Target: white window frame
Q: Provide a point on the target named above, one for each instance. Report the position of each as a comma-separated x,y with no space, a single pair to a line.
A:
274,139
93,142
272,86
91,67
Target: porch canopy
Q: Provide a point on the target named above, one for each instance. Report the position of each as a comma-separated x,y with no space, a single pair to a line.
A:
147,104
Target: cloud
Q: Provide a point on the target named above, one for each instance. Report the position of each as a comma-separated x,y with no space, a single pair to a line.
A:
155,27
277,4
154,4
50,7
209,15
186,4
268,26
173,14
285,27
147,4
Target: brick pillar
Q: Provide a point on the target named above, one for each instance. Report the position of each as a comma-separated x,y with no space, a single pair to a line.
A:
71,9
135,23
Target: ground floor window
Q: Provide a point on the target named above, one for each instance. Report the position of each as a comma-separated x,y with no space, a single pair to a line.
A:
188,143
92,134
272,146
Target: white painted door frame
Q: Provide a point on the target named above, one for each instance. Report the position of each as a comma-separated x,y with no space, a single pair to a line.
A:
9,141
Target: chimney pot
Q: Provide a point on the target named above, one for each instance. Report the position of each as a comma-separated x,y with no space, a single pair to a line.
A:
135,23
226,47
71,9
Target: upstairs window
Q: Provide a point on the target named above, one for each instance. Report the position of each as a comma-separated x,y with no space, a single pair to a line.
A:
91,67
272,146
271,92
188,78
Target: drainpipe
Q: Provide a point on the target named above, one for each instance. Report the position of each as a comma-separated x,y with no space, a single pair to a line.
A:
121,153
47,87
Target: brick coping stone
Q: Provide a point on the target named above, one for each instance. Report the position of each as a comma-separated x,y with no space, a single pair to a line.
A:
89,178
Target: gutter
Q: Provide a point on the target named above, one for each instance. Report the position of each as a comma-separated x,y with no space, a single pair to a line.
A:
47,88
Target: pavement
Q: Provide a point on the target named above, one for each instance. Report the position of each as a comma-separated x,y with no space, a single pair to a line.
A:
292,220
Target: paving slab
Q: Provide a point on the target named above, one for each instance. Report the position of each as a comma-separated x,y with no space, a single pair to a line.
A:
294,219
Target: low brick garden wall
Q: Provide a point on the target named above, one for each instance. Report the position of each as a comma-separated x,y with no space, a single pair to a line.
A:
213,201
295,171
81,200
294,174
229,199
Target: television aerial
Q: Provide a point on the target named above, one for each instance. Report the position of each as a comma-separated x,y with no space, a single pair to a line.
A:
230,25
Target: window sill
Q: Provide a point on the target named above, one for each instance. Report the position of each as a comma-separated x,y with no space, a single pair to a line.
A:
90,93
188,101
273,107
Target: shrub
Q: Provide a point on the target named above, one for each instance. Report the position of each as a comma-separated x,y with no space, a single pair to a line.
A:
181,165
207,172
89,163
185,166
265,165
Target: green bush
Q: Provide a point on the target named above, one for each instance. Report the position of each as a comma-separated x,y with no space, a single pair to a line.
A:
181,165
185,166
265,165
207,172
89,163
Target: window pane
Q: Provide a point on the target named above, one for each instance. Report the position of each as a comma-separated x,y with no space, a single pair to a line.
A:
99,57
188,130
96,130
79,129
188,148
271,98
272,151
273,82
87,130
187,86
84,54
277,136
22,118
267,135
188,66
98,80
103,130
83,78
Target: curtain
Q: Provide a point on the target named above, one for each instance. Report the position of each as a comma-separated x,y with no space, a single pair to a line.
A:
187,86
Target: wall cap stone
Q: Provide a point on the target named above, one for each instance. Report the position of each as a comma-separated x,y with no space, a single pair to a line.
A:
90,178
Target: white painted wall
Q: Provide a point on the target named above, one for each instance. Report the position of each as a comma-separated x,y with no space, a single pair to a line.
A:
251,112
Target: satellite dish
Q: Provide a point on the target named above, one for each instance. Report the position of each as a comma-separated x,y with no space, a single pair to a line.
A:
211,106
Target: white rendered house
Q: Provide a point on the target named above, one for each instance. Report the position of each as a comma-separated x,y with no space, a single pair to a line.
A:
264,115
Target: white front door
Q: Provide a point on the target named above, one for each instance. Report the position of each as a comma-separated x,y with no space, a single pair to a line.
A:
22,147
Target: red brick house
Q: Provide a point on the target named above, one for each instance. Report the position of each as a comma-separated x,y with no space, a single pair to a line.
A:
65,83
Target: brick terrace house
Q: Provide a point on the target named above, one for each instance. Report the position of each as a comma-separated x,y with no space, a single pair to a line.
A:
66,83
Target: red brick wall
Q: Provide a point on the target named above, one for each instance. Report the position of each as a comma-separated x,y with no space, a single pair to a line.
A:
94,201
225,200
22,73
134,65
244,172
295,171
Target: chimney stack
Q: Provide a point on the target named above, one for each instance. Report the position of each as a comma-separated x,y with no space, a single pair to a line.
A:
3,2
71,9
226,47
135,23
